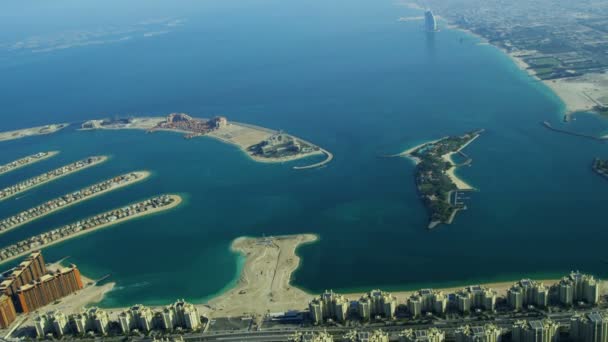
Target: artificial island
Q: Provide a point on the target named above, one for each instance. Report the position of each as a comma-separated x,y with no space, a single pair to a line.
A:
261,144
50,176
27,132
71,199
25,161
436,180
264,306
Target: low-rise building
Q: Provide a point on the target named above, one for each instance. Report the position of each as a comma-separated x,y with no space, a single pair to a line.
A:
311,336
366,336
426,335
485,333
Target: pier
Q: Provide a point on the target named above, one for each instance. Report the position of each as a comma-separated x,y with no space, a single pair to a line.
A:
81,227
25,161
51,176
548,125
71,199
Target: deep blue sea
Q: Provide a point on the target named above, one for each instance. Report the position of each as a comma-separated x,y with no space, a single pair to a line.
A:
346,75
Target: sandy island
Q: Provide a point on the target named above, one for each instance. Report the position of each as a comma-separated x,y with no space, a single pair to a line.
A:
142,175
53,178
27,132
29,160
177,200
238,134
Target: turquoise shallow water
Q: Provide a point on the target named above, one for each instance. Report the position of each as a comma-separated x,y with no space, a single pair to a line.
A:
345,75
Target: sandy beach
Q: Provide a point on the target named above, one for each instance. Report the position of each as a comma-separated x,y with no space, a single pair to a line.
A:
451,172
101,160
142,176
31,161
32,131
177,200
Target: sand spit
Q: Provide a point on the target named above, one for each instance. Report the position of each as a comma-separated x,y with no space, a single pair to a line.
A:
27,132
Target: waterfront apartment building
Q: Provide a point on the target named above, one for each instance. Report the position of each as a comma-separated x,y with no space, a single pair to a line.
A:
329,306
377,303
428,335
535,331
592,327
48,288
311,336
475,297
366,336
527,292
427,300
93,320
179,315
136,317
577,287
7,311
485,333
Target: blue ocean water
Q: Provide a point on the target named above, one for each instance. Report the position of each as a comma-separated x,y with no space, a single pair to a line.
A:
346,75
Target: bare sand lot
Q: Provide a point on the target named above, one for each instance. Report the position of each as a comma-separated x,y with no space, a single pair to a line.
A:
27,132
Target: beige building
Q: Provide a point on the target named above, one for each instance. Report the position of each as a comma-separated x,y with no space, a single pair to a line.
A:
485,333
475,297
427,300
527,292
366,336
329,306
429,335
592,327
577,287
535,331
136,317
377,303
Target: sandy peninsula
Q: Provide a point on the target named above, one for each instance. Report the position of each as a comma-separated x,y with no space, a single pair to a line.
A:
28,132
139,176
26,161
264,283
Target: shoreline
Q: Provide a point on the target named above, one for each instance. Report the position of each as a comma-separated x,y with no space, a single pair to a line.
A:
451,172
48,155
264,282
571,91
101,160
177,200
143,175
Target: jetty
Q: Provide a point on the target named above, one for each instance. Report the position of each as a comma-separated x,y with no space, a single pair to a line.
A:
147,207
71,199
548,125
50,176
25,161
